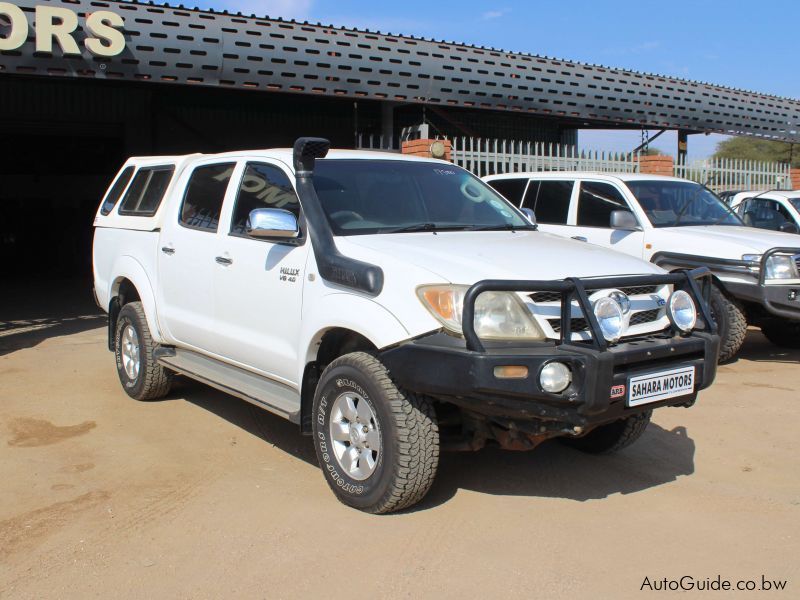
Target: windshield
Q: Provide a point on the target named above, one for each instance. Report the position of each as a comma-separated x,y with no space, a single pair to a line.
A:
392,196
681,203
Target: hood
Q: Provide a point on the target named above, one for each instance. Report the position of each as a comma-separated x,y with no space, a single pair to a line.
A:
725,241
464,257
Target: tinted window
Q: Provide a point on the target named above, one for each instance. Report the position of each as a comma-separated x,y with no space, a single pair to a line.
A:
392,196
596,203
116,190
202,202
549,200
765,214
146,191
263,186
512,189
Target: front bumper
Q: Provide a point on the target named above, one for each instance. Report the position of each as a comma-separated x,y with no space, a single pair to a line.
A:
777,300
440,366
462,371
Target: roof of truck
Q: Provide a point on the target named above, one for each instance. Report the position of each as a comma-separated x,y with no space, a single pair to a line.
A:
584,174
285,155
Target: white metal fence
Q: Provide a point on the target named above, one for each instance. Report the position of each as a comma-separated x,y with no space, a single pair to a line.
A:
492,156
485,156
724,174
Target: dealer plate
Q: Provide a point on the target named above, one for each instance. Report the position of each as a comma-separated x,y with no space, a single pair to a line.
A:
662,385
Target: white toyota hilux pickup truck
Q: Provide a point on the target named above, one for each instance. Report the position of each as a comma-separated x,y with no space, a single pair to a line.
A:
676,224
388,305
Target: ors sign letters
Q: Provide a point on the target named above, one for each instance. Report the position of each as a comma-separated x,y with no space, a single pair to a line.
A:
103,35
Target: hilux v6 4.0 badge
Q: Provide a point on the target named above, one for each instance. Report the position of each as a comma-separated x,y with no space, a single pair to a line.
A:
289,274
617,391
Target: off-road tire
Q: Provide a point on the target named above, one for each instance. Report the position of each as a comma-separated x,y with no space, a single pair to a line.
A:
783,333
612,437
153,381
409,434
731,322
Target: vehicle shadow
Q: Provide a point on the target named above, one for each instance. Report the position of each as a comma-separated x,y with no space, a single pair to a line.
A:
552,470
31,313
758,348
274,430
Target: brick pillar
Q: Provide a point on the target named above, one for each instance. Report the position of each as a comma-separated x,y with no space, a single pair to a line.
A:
657,164
423,148
795,177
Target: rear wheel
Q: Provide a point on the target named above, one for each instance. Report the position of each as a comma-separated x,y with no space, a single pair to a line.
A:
378,445
612,437
782,333
141,376
731,322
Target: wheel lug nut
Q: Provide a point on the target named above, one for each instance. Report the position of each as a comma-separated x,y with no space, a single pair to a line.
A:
365,429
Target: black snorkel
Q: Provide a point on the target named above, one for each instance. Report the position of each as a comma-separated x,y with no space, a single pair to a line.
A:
333,266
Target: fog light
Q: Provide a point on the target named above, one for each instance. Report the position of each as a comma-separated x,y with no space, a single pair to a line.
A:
555,377
681,311
609,316
511,372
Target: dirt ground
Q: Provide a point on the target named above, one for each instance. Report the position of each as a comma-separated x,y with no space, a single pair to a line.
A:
203,496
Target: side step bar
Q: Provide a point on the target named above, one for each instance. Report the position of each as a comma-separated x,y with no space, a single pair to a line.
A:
275,397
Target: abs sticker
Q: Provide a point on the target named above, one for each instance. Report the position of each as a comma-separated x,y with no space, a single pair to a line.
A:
618,391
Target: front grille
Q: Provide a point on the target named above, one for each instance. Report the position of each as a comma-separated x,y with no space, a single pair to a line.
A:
646,316
639,290
579,324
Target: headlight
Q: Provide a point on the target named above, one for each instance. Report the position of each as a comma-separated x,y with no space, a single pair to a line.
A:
682,311
779,266
555,377
609,315
498,315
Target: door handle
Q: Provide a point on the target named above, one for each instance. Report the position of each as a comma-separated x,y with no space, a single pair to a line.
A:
167,250
224,261
580,238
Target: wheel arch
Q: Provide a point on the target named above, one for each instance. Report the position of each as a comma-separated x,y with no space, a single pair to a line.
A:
130,283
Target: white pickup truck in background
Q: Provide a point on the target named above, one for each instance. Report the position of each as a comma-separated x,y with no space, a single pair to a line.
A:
388,305
675,224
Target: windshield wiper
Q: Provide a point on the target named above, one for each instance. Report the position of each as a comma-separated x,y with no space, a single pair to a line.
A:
424,227
503,227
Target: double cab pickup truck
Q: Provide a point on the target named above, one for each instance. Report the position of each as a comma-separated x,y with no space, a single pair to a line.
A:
390,306
676,224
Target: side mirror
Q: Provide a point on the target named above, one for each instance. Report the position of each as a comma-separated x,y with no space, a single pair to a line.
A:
788,227
624,219
272,223
529,215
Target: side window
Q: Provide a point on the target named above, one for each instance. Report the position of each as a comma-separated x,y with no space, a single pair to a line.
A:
596,203
146,191
511,189
263,186
205,191
549,200
110,201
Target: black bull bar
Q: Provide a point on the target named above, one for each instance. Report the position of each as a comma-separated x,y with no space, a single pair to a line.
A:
696,282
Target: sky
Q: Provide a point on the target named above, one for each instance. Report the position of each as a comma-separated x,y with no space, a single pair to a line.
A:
735,43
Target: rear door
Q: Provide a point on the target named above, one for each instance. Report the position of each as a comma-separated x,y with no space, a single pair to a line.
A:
188,256
594,203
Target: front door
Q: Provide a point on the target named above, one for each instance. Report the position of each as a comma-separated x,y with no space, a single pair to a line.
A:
259,292
596,201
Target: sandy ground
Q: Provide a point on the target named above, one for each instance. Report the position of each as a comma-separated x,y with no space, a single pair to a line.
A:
203,496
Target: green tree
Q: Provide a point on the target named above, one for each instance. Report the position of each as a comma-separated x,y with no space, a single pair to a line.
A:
748,148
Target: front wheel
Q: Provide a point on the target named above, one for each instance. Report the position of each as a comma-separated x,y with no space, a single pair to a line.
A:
378,445
785,334
731,322
613,436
